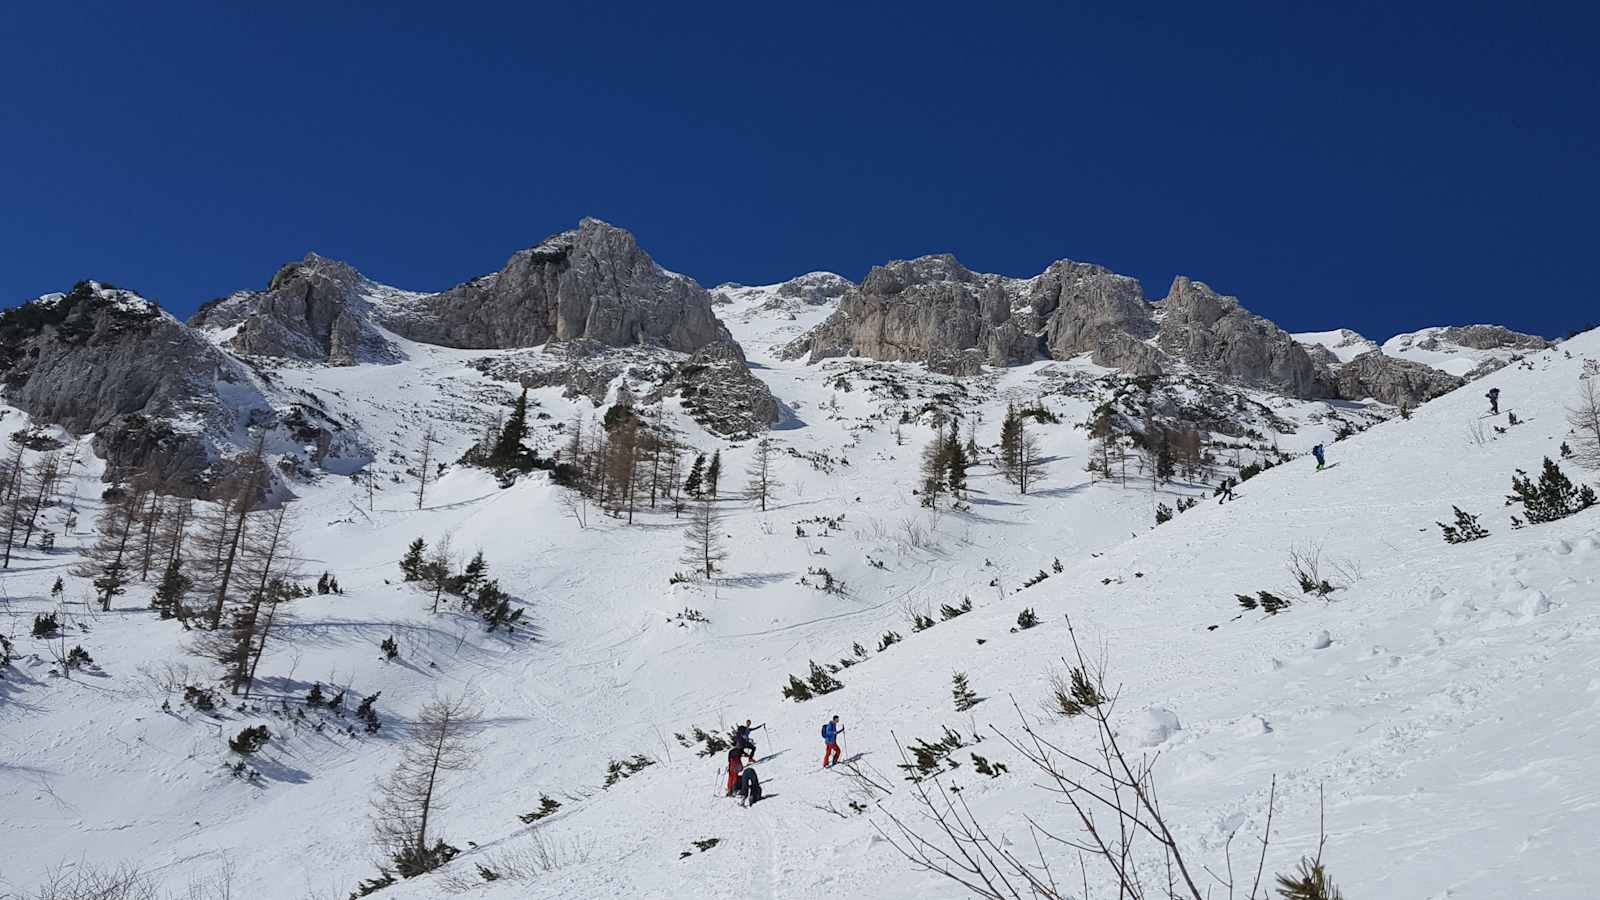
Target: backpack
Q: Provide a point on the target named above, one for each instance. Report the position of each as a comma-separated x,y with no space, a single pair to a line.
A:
825,730
752,788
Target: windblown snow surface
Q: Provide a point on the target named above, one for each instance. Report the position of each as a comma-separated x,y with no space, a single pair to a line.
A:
1445,354
1444,698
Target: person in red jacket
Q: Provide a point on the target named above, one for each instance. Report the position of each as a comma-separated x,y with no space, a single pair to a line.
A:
735,766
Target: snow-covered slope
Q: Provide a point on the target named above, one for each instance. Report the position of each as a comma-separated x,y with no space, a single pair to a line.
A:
1467,351
1449,714
1343,343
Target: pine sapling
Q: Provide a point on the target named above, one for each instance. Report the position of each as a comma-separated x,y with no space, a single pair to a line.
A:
797,690
821,682
1464,530
249,740
547,807
965,699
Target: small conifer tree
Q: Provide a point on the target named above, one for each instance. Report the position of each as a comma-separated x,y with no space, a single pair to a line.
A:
821,682
412,563
694,484
249,740
964,697
1553,497
1465,529
168,599
713,473
796,690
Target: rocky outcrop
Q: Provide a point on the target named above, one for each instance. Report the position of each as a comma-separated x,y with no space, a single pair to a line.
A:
106,361
718,391
1393,381
935,311
313,310
154,393
816,288
1213,333
1090,309
1487,337
592,283
931,310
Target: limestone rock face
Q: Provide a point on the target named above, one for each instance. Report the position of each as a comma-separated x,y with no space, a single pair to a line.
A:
1089,309
935,311
721,394
1393,381
592,283
312,310
816,288
929,310
1491,337
1213,333
106,361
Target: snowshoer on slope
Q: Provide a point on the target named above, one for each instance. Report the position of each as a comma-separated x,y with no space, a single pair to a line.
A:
741,737
831,730
735,766
749,787
1494,401
1317,452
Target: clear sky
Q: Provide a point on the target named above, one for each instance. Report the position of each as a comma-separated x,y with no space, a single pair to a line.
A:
1377,166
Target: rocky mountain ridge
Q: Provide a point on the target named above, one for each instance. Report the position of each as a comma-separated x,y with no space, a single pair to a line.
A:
589,309
935,311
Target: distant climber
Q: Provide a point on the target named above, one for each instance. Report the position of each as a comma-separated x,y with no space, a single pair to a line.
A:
1317,452
735,766
742,739
1494,401
749,787
831,730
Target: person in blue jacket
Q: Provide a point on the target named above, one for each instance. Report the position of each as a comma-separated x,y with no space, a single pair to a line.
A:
831,730
1317,452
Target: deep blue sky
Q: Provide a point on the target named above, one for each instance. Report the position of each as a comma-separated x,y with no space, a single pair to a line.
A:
1330,164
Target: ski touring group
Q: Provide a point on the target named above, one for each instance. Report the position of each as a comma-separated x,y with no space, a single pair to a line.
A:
744,783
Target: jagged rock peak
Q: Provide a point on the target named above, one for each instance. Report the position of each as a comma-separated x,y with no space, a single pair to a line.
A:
816,288
314,309
1214,332
593,282
91,293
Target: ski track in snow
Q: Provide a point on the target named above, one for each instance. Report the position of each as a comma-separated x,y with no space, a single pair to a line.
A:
1449,714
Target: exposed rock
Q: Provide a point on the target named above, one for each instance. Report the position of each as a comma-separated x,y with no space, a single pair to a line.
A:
1213,333
928,310
103,360
720,393
816,288
1393,381
935,311
592,283
153,392
1490,337
715,383
585,368
1090,309
313,310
